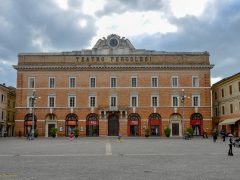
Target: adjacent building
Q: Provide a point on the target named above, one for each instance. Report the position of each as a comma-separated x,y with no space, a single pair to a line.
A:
7,110
113,89
226,104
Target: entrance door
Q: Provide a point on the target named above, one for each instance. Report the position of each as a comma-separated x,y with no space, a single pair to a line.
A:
113,126
50,126
154,130
133,130
175,129
196,130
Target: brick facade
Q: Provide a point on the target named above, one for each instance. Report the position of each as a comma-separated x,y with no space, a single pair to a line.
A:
123,63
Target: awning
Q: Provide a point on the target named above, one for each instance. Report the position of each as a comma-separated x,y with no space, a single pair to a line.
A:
229,121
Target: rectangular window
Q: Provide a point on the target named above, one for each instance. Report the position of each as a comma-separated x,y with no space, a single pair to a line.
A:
2,115
231,108
216,111
154,81
134,101
72,82
92,101
230,89
31,82
113,82
51,83
154,101
3,98
239,86
174,81
134,81
223,110
195,81
196,101
51,101
215,95
175,101
222,92
113,101
92,82
72,101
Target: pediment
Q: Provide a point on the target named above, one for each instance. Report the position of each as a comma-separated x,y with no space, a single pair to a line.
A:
113,43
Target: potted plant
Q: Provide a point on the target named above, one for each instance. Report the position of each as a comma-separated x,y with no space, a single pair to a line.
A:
190,131
53,132
147,132
36,133
76,132
167,131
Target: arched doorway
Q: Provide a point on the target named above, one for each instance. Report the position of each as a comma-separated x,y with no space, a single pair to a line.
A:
155,124
28,120
92,128
176,124
71,123
134,124
196,122
113,125
50,122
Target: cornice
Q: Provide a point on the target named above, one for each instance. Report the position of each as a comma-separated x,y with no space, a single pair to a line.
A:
108,67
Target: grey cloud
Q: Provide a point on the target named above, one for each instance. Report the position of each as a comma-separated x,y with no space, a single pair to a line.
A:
29,19
121,6
218,35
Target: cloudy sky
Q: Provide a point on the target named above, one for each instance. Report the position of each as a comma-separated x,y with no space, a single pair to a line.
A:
163,25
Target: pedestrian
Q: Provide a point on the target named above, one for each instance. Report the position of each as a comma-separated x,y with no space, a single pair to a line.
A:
230,143
71,136
223,134
119,137
215,135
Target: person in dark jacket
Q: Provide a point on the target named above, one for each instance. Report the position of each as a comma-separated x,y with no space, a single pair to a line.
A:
230,143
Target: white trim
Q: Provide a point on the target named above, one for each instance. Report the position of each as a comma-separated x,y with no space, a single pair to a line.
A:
49,82
198,100
34,80
152,101
95,82
131,85
70,96
89,101
172,77
177,100
113,77
152,81
197,83
69,82
54,97
136,100
123,87
111,103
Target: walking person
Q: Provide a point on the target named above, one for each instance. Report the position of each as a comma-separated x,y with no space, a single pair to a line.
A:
230,143
215,135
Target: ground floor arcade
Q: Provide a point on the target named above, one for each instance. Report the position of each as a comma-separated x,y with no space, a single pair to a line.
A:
113,123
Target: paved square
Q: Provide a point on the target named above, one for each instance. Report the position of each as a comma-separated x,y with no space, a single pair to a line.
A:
108,159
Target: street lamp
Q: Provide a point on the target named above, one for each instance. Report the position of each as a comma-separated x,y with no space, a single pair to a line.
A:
33,99
183,97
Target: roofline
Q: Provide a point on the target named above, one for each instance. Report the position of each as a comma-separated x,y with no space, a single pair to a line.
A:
227,79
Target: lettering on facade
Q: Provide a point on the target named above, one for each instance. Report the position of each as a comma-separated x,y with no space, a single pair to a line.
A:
113,59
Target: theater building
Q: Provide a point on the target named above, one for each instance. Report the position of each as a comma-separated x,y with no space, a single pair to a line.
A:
226,104
114,89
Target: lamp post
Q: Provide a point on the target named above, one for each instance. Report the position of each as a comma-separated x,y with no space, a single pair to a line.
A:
33,99
183,97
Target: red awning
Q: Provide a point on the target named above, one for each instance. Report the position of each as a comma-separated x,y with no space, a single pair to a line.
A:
195,122
155,122
92,123
133,122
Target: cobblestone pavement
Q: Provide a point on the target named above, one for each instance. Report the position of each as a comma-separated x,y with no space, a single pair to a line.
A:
109,159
